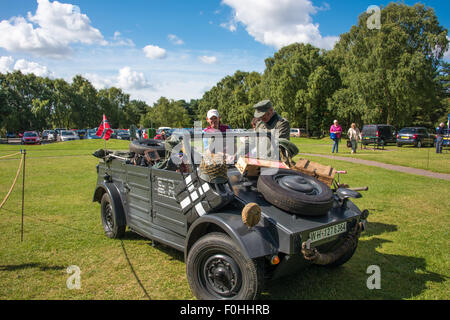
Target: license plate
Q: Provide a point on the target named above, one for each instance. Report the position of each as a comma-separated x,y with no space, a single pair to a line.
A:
406,138
328,232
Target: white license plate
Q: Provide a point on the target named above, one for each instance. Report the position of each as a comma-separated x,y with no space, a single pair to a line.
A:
328,232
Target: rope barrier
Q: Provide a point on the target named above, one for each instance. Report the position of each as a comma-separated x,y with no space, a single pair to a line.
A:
10,155
14,183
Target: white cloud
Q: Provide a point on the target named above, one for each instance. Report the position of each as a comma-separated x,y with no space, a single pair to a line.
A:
279,23
208,59
50,31
6,64
27,67
126,79
154,52
132,80
119,41
175,40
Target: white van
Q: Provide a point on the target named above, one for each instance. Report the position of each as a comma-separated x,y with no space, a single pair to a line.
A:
295,132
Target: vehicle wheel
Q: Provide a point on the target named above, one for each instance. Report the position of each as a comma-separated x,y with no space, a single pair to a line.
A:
217,269
419,144
140,146
110,219
399,145
296,192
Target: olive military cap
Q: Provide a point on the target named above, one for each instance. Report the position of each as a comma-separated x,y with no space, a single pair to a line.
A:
262,107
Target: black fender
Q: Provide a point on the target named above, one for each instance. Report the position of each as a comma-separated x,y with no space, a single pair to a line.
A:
114,195
255,242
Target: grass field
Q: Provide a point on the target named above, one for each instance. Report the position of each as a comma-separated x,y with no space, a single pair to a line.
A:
408,235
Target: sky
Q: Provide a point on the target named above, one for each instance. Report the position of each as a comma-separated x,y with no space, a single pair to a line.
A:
178,49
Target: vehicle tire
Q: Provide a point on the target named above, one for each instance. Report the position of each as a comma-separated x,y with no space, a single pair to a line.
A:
419,144
142,145
110,219
399,145
296,192
217,269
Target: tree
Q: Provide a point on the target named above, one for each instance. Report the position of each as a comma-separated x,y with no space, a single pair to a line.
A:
166,113
298,81
233,97
388,74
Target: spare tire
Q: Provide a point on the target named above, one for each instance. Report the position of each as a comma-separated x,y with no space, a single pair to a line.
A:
297,193
142,145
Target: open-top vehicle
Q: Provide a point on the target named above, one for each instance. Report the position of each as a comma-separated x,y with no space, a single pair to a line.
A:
238,223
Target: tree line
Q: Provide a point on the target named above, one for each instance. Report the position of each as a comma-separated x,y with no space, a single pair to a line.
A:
394,75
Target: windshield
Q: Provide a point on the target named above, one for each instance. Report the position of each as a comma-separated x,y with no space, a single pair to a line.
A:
408,130
68,133
30,134
228,147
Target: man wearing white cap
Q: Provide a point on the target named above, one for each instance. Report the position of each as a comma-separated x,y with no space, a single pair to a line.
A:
213,119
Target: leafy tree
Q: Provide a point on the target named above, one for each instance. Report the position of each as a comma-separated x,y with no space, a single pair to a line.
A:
233,97
298,81
166,113
388,74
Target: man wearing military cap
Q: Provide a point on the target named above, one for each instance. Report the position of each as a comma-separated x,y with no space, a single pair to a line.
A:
268,119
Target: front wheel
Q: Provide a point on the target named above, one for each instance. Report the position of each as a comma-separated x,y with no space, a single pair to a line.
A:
217,269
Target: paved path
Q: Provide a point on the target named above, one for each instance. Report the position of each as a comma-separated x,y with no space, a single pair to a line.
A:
409,170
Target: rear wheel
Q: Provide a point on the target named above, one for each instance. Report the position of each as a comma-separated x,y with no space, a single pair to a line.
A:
217,269
419,144
110,219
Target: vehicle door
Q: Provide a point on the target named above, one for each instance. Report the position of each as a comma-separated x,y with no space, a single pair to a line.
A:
423,135
167,212
137,191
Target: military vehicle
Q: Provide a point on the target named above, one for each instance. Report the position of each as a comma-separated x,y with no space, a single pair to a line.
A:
237,227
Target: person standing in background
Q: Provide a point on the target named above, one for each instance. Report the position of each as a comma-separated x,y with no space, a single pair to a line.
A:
439,138
335,135
354,135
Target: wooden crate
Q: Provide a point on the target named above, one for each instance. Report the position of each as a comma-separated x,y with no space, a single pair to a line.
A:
319,171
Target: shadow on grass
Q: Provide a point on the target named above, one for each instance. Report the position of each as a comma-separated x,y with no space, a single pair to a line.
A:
39,266
172,253
402,277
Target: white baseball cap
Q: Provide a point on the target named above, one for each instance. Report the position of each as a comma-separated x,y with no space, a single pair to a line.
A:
212,113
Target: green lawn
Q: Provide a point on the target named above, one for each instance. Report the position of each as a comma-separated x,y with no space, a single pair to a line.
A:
408,237
424,158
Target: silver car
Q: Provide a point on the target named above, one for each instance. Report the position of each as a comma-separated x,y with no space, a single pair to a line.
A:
68,135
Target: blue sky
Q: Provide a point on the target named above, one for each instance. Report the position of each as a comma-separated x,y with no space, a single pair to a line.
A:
173,48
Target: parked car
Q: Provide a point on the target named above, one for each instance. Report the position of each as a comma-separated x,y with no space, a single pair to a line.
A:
91,134
81,133
415,136
235,232
446,141
10,135
122,134
295,132
51,135
378,134
31,137
68,135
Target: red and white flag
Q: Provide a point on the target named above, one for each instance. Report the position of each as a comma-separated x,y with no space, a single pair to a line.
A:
104,126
